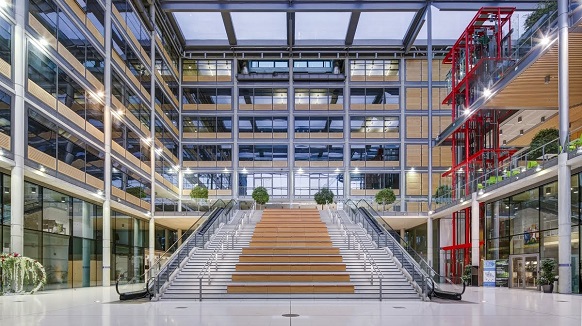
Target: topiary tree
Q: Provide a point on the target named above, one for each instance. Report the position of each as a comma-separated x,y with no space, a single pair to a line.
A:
385,196
547,274
323,196
544,7
467,275
542,138
260,195
442,194
199,192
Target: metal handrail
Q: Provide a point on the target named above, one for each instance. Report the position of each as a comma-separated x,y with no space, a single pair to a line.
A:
163,259
214,255
195,240
418,269
367,256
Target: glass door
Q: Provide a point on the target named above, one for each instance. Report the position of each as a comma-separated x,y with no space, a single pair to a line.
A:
516,272
524,271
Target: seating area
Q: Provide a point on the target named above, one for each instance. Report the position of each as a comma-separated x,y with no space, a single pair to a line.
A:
290,252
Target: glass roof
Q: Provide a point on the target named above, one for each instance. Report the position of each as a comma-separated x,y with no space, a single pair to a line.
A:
260,25
201,25
383,25
447,25
321,26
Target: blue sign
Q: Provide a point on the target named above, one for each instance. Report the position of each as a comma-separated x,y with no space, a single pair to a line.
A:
489,273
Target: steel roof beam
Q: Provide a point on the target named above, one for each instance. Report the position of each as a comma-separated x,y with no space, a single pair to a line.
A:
290,29
414,28
353,24
291,6
229,27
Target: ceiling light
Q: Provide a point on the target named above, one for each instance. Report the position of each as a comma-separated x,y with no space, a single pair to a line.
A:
43,42
545,40
481,192
538,168
100,192
42,169
100,94
486,92
120,113
244,170
466,112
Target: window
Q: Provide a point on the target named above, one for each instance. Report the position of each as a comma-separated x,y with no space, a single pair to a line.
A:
374,70
266,152
375,181
275,183
375,152
375,127
307,184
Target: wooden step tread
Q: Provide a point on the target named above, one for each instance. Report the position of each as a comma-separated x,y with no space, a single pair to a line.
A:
298,288
290,278
290,258
291,251
296,267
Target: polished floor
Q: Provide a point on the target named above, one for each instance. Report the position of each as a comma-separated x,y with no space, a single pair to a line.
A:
481,306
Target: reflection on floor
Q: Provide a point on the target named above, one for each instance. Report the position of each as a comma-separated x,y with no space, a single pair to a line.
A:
99,306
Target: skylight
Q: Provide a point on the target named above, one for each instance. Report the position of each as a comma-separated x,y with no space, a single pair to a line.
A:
201,25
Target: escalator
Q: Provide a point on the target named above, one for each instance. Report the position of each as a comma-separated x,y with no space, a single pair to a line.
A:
429,281
148,284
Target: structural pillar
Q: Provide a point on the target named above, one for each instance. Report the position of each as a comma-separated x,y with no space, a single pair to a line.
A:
429,241
475,255
18,132
107,161
179,235
495,220
180,133
564,175
152,141
402,235
429,244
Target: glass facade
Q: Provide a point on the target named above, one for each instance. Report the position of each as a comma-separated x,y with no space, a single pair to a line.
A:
527,223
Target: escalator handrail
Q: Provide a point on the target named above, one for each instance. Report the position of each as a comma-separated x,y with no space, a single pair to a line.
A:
186,234
428,272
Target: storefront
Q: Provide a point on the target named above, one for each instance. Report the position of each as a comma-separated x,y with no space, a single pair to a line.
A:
522,229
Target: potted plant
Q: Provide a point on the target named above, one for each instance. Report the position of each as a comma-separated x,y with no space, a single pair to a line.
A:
323,196
385,196
466,277
547,275
199,192
260,195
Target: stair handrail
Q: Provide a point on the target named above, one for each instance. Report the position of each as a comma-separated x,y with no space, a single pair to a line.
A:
163,259
373,266
214,255
191,242
413,266
368,256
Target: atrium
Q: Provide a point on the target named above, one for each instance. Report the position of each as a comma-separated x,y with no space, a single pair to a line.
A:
363,161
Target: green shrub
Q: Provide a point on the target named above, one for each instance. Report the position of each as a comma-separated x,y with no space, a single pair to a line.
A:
199,192
385,196
323,196
542,138
260,195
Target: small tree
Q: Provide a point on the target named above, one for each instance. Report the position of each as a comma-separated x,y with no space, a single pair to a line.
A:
323,196
385,196
199,192
442,194
544,7
542,138
260,195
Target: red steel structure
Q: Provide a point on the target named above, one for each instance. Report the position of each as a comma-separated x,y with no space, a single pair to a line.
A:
479,52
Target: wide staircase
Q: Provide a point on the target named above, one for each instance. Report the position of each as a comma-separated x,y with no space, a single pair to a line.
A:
291,253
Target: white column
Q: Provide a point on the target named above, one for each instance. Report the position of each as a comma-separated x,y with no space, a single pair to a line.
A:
18,132
179,234
429,241
107,161
564,173
474,230
152,229
152,242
